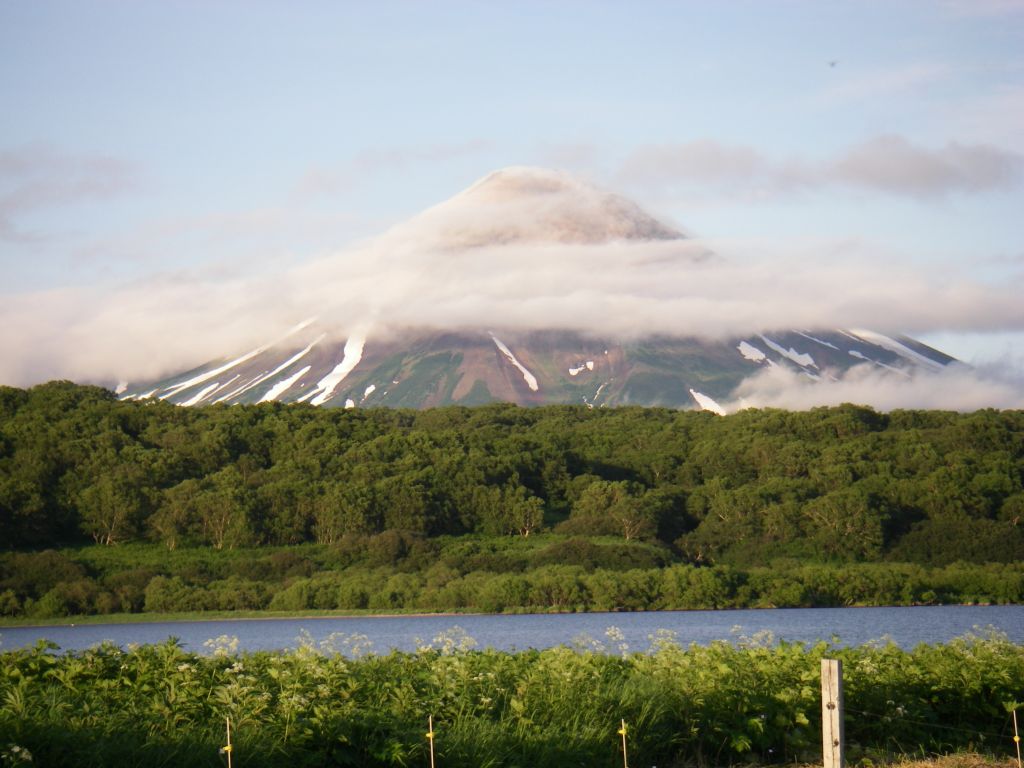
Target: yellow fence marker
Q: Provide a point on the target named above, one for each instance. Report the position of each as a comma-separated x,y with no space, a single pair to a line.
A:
430,738
622,733
1016,737
226,749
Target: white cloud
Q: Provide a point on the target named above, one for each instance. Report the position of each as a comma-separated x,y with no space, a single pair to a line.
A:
532,252
40,176
892,164
631,288
702,161
956,387
888,163
140,330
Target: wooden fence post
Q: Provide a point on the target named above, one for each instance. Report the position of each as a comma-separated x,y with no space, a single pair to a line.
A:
832,713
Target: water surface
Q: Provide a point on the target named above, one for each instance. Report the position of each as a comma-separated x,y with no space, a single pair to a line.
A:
848,626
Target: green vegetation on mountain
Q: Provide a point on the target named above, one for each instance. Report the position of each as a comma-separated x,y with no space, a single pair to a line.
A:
764,507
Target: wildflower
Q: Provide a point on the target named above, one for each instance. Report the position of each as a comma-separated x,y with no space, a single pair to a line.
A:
454,640
223,645
584,643
16,755
663,639
616,635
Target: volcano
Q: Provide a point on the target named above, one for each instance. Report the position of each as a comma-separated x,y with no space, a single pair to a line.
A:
526,215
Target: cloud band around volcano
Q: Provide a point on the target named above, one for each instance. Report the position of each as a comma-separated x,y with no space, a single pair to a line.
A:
531,250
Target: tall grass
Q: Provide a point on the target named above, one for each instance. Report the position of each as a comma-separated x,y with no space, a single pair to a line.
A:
160,706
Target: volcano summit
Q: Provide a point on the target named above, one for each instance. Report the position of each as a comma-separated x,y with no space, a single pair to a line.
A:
535,288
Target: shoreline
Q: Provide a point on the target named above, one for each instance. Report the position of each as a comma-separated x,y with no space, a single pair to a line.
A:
94,620
220,616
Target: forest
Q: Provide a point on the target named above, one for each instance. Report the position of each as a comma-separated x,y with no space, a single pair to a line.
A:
293,496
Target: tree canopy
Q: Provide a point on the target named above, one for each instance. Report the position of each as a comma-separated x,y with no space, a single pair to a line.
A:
840,484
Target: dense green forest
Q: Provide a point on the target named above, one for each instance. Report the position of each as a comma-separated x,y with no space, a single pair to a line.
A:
393,492
758,703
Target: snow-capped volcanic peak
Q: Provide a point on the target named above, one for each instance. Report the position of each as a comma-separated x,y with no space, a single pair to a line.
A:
558,268
535,205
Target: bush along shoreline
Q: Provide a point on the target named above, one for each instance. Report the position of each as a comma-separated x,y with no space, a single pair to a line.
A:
756,702
550,573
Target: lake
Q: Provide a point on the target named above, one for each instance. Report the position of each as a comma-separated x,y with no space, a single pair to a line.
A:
379,634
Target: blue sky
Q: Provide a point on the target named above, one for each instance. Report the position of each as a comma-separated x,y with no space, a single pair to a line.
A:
150,142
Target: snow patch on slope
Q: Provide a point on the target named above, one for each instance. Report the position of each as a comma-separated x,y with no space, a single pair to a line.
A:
352,355
890,344
231,393
879,363
597,395
750,352
578,369
531,380
225,385
282,367
141,396
283,386
707,403
800,358
202,395
202,377
819,341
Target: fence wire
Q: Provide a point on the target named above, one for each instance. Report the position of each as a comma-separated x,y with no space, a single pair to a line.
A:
973,731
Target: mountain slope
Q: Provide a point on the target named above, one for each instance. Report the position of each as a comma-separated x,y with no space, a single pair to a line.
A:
439,368
506,215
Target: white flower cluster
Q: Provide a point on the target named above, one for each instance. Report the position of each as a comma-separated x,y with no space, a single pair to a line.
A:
448,642
223,645
15,755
